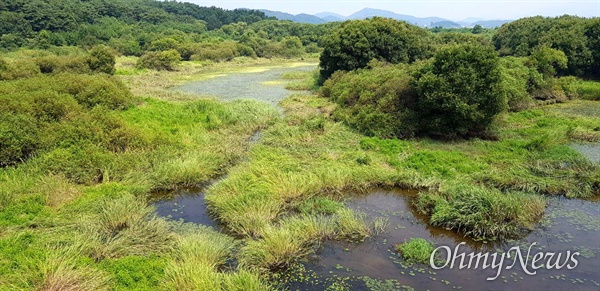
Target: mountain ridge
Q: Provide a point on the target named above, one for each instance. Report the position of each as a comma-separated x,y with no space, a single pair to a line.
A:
432,21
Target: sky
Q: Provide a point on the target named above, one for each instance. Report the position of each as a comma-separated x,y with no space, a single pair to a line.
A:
450,9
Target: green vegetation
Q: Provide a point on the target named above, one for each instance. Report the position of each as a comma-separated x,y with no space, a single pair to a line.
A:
574,36
476,211
354,44
459,93
417,250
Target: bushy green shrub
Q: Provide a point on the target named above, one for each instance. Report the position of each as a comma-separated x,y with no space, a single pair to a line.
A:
223,51
18,69
162,60
18,138
378,102
127,47
50,106
83,163
102,60
163,44
63,111
459,92
62,64
417,250
95,90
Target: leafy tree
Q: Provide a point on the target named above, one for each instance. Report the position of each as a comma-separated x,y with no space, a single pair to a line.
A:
356,43
459,92
517,82
592,32
477,29
547,60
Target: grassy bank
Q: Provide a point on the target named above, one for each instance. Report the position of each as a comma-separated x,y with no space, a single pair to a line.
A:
73,210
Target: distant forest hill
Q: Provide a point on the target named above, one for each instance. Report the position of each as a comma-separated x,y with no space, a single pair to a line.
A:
26,16
324,17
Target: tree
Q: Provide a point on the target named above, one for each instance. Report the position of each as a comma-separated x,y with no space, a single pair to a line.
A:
547,60
356,43
592,31
459,92
477,29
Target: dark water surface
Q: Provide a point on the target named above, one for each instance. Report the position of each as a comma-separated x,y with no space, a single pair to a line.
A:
569,225
187,205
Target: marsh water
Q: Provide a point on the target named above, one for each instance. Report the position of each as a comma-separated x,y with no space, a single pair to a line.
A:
265,85
589,150
187,205
568,225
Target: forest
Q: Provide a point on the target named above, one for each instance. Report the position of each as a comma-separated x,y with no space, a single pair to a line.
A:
479,122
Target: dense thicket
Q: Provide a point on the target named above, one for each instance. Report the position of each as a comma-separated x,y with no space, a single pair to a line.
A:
459,91
353,45
456,94
576,37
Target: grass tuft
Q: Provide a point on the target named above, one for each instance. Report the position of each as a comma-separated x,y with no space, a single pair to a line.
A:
417,250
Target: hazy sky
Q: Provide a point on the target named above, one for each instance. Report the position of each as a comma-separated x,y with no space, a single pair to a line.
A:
451,9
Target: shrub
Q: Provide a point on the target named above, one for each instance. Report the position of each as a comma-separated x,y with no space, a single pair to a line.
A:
127,47
61,64
82,164
93,91
18,70
18,138
377,102
215,53
515,83
459,92
102,60
162,60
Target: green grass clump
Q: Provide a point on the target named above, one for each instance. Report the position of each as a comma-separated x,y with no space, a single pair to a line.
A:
319,205
200,253
135,272
122,227
476,211
417,250
589,90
